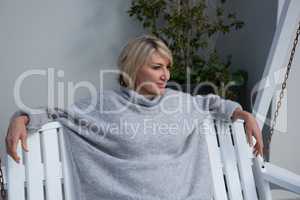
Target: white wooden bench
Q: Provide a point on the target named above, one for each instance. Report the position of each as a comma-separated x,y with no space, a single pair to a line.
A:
44,171
237,174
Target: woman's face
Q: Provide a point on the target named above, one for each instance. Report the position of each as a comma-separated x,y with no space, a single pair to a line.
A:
152,77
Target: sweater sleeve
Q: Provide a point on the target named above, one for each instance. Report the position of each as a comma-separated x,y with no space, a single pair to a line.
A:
215,105
43,115
36,119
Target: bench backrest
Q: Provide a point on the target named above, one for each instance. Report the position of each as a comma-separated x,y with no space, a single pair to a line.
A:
231,160
44,172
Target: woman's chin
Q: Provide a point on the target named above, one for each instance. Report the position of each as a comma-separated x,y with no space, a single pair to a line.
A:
162,90
154,91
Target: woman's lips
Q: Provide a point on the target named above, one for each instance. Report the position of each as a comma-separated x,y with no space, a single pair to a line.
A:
160,85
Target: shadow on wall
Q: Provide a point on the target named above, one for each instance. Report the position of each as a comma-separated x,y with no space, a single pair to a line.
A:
250,46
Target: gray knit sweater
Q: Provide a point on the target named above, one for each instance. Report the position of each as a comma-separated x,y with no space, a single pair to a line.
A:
126,146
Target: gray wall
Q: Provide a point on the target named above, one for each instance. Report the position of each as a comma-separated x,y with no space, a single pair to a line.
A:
250,45
78,37
81,37
285,149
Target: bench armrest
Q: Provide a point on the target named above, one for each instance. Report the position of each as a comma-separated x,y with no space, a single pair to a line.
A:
281,178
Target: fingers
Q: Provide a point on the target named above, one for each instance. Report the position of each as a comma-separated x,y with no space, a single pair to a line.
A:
261,150
16,132
24,143
258,148
253,130
260,145
249,136
14,153
11,148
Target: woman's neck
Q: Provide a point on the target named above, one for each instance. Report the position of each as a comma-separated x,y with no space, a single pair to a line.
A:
147,94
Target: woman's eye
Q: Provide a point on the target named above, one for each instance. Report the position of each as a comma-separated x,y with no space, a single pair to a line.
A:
158,67
155,67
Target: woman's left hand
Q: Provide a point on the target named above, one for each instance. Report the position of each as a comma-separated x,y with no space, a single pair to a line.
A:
252,129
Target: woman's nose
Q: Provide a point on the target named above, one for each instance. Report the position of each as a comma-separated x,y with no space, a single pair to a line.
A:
166,75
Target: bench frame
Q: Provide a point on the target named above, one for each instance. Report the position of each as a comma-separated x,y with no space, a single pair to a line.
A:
45,171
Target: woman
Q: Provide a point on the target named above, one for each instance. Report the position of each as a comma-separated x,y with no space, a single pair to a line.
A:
142,140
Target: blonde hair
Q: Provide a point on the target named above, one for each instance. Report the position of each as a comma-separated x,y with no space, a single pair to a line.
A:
136,53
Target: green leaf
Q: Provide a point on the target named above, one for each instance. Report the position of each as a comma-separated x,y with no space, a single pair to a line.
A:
188,31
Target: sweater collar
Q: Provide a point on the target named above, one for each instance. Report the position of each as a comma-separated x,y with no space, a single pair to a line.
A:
136,98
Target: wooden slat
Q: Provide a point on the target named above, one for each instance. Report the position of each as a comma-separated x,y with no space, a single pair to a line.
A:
36,174
66,168
282,178
229,161
262,186
215,160
244,158
52,166
34,168
16,177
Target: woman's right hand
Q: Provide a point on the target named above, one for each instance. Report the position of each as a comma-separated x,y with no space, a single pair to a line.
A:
16,131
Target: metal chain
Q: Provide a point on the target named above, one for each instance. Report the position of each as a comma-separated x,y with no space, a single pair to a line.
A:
3,191
283,85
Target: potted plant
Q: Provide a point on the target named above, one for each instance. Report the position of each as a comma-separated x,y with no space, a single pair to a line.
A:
188,30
